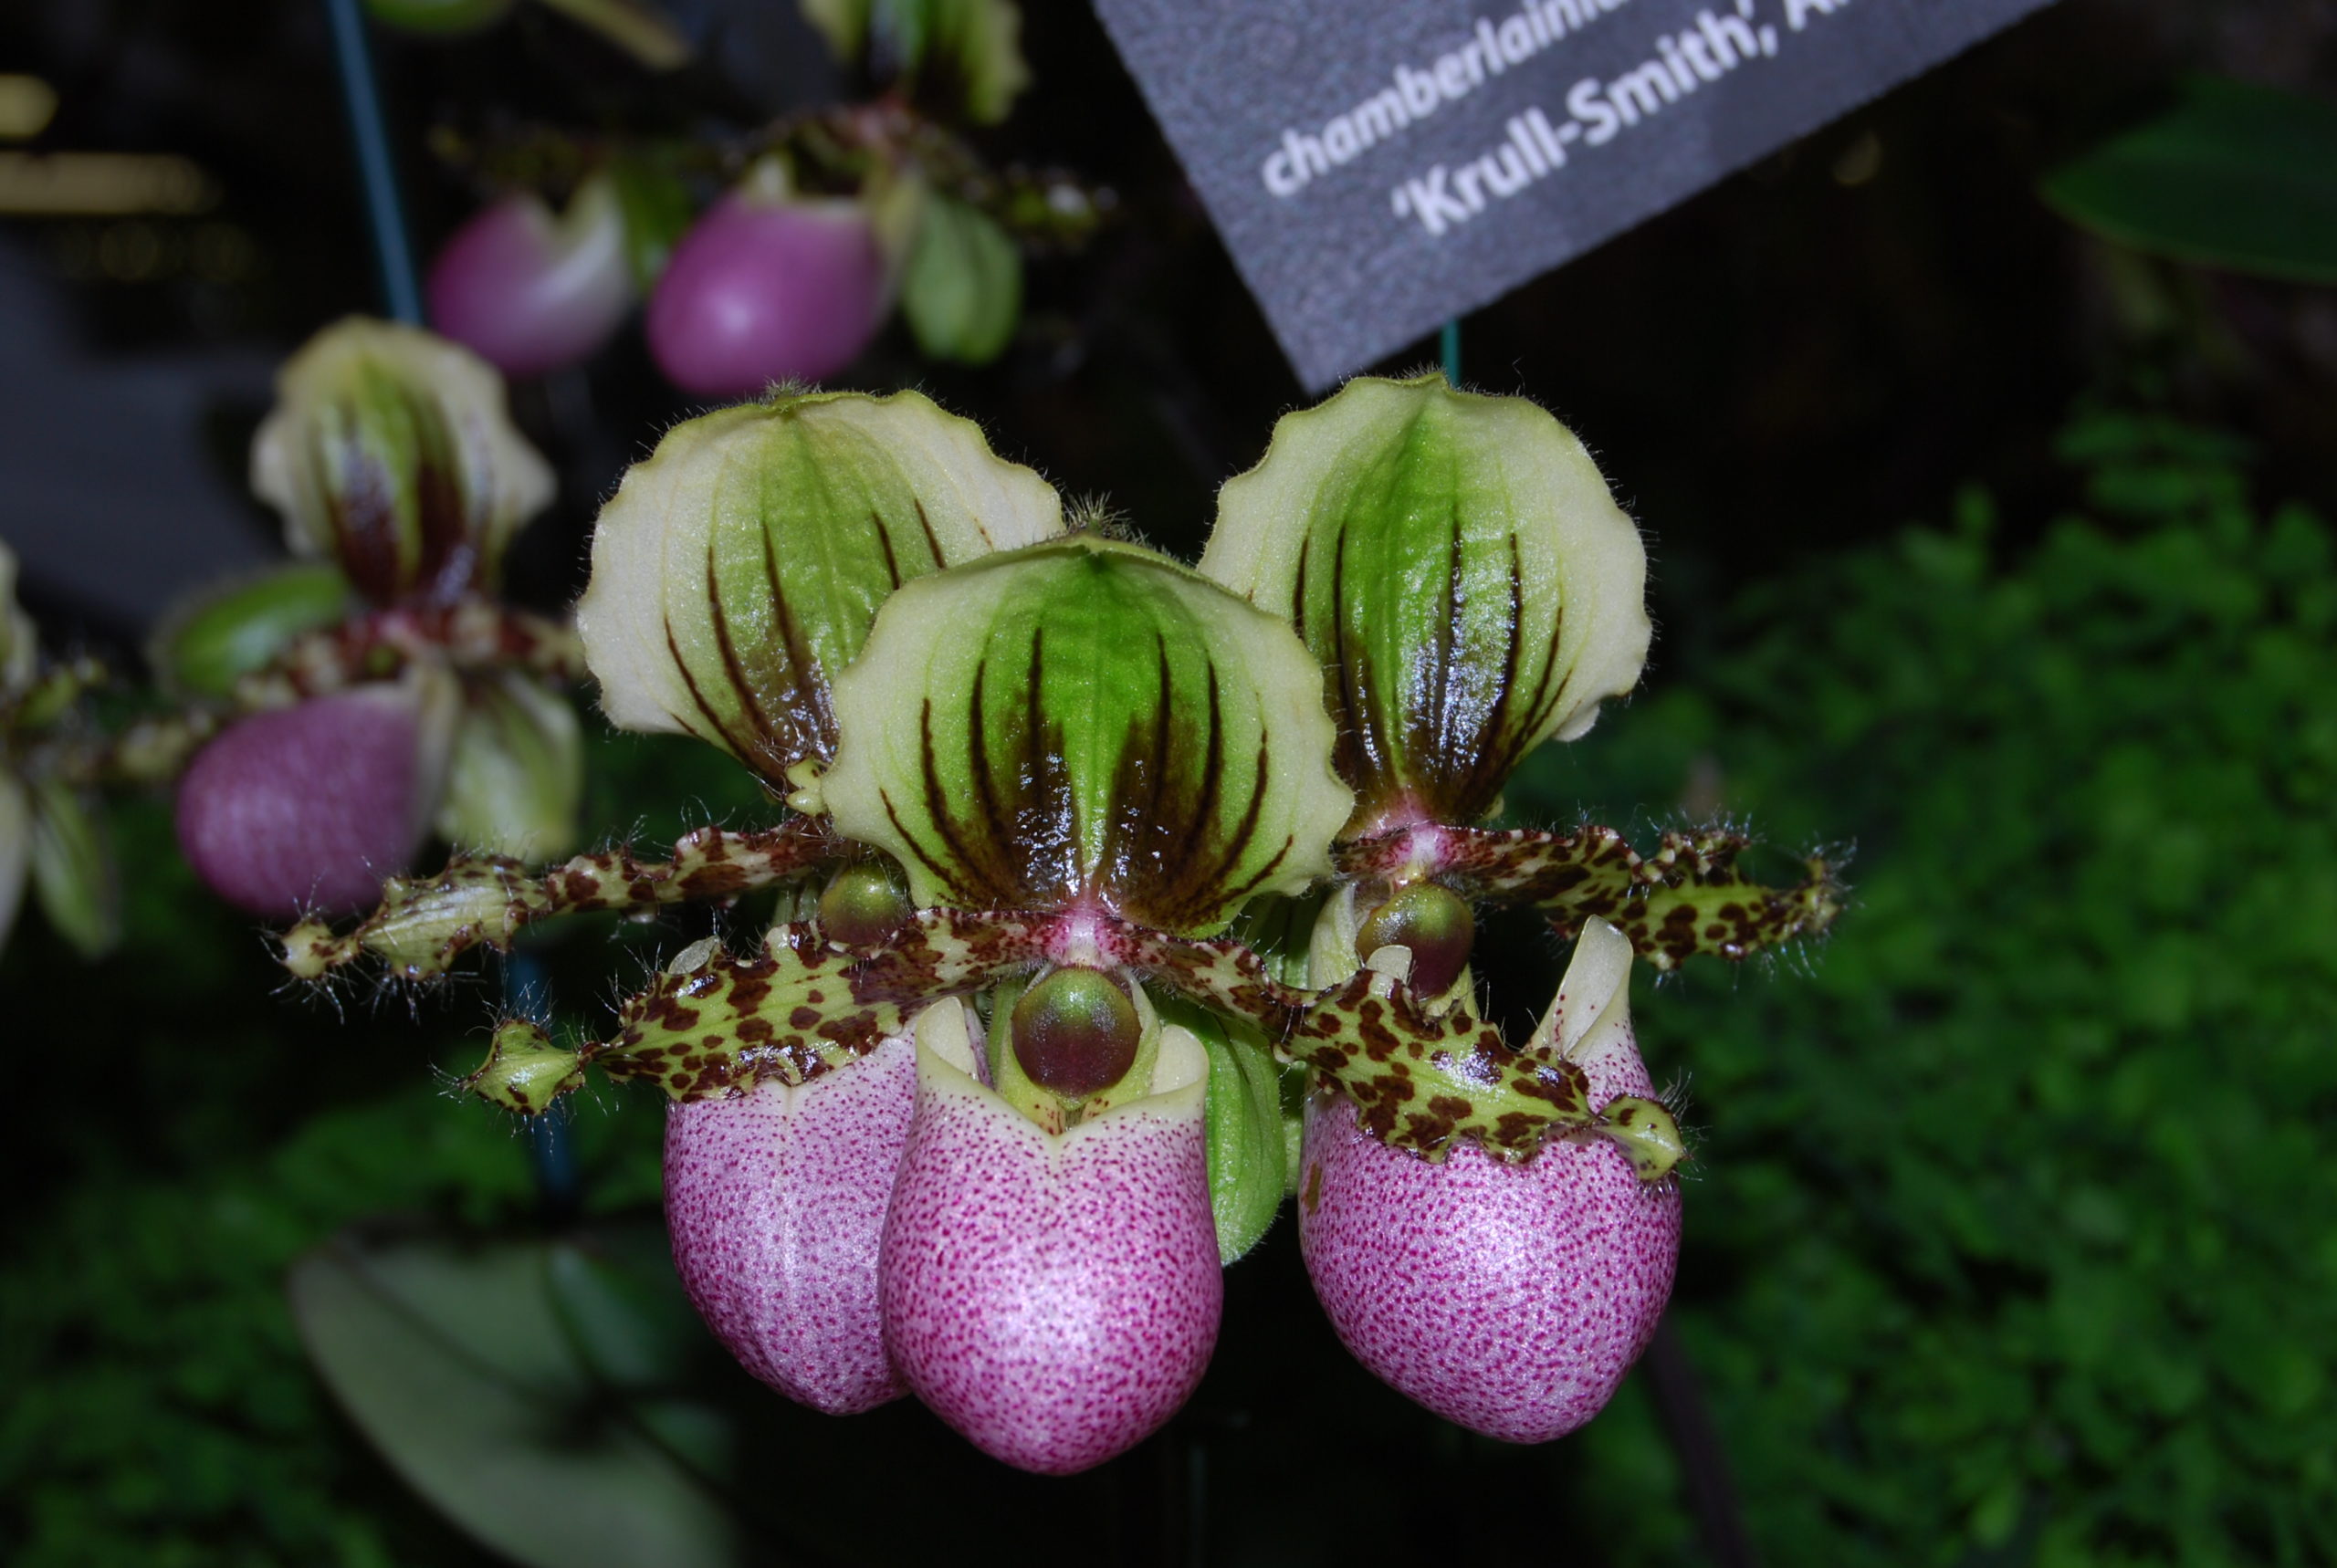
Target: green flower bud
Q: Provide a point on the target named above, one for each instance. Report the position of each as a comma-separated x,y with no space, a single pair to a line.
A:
863,907
1086,722
516,778
1459,572
390,451
1432,925
735,572
216,638
962,291
524,1072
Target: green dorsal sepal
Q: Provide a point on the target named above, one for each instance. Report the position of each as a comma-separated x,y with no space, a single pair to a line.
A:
1086,725
736,571
1459,570
1646,1131
423,924
1419,1082
391,451
1688,897
524,1071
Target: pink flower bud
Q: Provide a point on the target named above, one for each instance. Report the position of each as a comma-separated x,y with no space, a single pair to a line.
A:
776,1201
1054,1296
530,292
1508,1298
766,289
307,808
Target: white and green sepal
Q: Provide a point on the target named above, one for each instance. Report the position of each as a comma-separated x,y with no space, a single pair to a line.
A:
391,451
1086,724
1460,571
735,572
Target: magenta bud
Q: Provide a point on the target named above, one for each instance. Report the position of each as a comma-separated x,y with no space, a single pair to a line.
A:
307,808
1510,1298
768,288
1430,922
1075,1031
776,1201
530,292
1054,1296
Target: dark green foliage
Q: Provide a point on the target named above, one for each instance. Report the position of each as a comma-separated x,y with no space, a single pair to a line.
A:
2235,175
191,1135
2016,1241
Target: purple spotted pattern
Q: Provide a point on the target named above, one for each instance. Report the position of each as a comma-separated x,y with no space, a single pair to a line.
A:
308,808
1054,1297
1508,1298
776,1202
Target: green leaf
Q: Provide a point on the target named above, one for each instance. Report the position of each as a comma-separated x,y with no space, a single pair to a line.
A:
1456,566
390,451
962,291
1086,722
72,868
1247,1146
2235,175
735,572
517,774
439,17
214,639
485,1377
956,57
657,211
16,851
19,644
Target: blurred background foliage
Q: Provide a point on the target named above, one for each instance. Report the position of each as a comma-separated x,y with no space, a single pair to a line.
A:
2008,1242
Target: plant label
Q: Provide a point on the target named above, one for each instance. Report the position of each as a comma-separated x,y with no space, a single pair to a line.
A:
1380,166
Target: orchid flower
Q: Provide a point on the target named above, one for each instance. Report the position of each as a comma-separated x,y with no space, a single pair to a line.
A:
1094,851
384,693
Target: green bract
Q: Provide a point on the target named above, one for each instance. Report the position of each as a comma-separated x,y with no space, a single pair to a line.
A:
516,776
390,450
962,290
207,646
735,572
1086,722
1458,569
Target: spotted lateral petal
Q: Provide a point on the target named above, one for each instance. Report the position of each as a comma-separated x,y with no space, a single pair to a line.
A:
1458,568
390,451
1419,1080
735,572
1688,897
1086,724
423,924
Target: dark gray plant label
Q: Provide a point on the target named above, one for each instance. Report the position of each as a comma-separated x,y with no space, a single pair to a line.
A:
1380,166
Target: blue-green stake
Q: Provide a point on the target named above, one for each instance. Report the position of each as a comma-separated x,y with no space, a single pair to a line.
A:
384,216
1448,341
